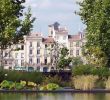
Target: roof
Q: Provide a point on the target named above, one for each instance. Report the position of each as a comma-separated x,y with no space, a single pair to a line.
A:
48,40
74,37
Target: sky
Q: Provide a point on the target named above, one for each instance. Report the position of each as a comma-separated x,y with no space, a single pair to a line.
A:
49,11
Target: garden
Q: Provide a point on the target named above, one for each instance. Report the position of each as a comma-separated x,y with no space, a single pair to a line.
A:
82,77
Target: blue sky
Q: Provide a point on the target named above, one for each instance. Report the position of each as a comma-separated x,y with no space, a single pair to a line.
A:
49,11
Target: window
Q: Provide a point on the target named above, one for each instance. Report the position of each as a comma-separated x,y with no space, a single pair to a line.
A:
22,62
71,52
6,62
30,44
64,37
16,55
30,60
77,52
57,37
45,45
10,55
38,60
22,55
77,44
16,62
6,54
38,52
38,44
45,61
38,68
30,52
52,46
22,47
51,32
71,44
17,47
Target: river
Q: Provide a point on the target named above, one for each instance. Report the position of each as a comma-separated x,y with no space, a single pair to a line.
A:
54,96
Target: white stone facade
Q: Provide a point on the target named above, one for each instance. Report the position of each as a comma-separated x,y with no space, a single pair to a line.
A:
33,53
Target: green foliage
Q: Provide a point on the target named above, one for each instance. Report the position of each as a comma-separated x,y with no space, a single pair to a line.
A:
52,79
82,70
102,72
64,52
96,15
76,61
23,83
13,23
50,86
64,61
91,70
18,86
4,84
36,77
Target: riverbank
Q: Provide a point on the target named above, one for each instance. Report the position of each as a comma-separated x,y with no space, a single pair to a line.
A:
57,91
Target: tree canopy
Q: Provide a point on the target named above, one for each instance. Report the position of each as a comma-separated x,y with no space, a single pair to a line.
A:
12,26
96,15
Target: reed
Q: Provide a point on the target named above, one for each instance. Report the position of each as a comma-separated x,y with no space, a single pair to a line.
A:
84,82
107,83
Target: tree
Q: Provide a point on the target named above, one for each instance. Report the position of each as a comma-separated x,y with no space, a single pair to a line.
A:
76,61
12,24
64,60
54,54
96,15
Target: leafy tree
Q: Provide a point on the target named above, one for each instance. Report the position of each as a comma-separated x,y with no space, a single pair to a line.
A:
64,60
76,61
96,15
12,24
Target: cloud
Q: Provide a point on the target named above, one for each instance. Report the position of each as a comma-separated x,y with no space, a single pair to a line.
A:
48,11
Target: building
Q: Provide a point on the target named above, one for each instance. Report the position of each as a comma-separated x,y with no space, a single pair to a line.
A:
35,52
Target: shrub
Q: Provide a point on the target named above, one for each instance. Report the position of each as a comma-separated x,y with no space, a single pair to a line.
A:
32,84
18,86
27,76
55,79
84,82
50,86
82,70
4,84
101,72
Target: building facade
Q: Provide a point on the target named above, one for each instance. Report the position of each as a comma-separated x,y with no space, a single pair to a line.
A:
35,52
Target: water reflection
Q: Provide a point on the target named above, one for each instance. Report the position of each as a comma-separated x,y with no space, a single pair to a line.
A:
54,96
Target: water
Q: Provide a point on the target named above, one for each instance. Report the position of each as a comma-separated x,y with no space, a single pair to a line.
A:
54,96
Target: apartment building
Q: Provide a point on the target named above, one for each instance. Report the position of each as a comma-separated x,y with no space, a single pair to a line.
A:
35,52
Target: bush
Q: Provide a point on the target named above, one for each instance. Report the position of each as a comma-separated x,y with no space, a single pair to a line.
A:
82,70
91,70
4,84
50,86
55,79
84,82
18,76
101,72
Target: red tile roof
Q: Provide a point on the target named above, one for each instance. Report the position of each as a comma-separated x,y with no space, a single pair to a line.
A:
48,40
74,37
